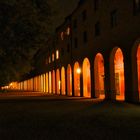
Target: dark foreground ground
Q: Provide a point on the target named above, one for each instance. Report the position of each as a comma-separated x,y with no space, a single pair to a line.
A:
63,118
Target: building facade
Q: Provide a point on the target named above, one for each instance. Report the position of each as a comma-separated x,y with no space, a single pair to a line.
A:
95,53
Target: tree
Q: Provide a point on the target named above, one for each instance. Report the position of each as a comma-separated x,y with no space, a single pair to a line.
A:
23,30
25,27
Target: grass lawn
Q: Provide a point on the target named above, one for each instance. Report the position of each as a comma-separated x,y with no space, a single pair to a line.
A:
63,118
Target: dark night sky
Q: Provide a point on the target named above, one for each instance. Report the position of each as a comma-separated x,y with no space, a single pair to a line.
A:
64,8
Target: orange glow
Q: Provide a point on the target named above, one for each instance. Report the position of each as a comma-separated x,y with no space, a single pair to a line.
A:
47,83
69,80
58,83
62,36
41,83
63,81
86,78
25,85
68,31
138,68
44,82
78,70
99,76
35,84
53,57
22,86
53,80
57,54
13,85
50,82
119,74
76,80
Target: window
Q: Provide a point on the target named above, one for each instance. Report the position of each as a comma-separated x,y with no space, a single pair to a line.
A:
84,15
84,36
62,36
136,6
68,31
53,57
75,43
114,18
68,48
75,24
97,29
57,54
96,5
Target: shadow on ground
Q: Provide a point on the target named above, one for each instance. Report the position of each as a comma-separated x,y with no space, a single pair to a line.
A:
59,117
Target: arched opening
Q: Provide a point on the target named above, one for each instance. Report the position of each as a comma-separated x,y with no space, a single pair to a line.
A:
117,70
99,76
138,68
77,72
50,82
41,83
44,82
47,83
38,83
63,81
58,82
86,78
35,84
53,81
37,80
69,80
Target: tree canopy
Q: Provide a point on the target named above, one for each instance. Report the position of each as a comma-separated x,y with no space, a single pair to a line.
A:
25,27
23,30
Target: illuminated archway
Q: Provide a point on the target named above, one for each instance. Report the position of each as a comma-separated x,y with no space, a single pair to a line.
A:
47,83
41,83
58,82
118,74
77,72
138,68
53,81
50,82
63,81
86,78
99,76
69,80
37,83
44,82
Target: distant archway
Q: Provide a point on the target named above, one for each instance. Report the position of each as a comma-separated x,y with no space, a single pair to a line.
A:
58,82
99,76
63,81
47,83
86,78
69,80
138,68
50,82
117,72
41,83
44,82
53,81
77,72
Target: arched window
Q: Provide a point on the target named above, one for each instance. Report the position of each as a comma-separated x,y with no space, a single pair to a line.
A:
86,78
77,72
99,76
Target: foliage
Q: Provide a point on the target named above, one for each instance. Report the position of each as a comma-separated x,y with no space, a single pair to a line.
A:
25,27
23,30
